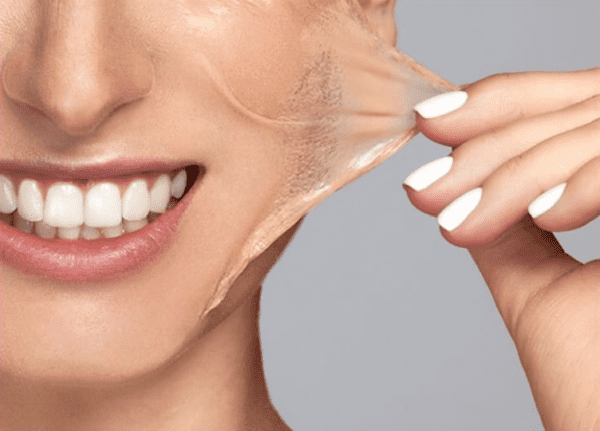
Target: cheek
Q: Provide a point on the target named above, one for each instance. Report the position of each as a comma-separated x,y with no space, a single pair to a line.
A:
260,60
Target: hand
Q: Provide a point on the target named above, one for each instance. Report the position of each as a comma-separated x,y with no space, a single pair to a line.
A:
517,137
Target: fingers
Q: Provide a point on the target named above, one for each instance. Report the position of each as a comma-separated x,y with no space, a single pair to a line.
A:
507,193
477,159
524,143
570,205
501,99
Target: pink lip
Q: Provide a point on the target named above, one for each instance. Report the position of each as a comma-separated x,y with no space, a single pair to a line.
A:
115,168
97,260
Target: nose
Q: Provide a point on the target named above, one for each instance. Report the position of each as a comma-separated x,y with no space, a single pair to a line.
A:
79,64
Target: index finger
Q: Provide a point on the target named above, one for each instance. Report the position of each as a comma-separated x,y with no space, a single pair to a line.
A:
504,98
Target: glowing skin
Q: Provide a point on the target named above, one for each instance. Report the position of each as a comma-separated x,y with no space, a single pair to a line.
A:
283,102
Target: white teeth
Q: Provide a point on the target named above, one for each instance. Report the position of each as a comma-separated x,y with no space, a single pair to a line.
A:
45,230
22,224
69,213
160,194
113,231
8,197
70,233
179,183
135,225
30,201
136,201
90,232
64,206
103,206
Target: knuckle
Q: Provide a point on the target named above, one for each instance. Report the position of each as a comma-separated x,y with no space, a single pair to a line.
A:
594,103
520,113
503,78
507,87
513,167
494,138
594,126
515,170
510,80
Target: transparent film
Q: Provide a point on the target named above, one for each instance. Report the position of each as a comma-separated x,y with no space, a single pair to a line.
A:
352,110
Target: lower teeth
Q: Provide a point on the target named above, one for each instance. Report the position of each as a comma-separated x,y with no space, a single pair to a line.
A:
44,230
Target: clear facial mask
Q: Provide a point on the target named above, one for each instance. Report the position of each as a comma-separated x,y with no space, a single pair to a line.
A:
353,110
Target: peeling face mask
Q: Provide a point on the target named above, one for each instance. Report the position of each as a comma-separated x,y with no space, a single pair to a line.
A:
351,111
283,102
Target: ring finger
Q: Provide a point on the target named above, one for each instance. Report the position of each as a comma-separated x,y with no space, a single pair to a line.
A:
570,205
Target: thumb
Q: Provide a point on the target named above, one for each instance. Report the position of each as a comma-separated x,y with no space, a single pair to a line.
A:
502,99
524,260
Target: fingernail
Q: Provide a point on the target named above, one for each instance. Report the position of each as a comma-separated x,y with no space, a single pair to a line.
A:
546,201
457,212
428,174
442,104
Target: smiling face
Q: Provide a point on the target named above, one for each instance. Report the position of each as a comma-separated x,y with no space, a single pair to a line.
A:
253,91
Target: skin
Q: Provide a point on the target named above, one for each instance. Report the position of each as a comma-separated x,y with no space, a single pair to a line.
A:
88,81
109,357
518,136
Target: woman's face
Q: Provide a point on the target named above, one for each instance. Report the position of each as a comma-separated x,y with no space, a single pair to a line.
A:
280,102
206,81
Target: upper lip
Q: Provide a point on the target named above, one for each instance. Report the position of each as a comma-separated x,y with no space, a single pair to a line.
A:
111,169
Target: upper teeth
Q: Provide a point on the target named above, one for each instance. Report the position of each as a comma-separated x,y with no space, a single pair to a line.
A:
67,206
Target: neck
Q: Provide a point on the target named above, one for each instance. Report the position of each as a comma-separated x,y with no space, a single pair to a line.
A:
218,383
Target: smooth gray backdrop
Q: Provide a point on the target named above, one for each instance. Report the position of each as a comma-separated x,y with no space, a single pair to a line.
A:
372,321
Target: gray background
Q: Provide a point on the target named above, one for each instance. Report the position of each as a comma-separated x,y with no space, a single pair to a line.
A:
371,320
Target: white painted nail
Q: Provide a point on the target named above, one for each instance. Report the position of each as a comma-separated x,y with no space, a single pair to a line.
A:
442,104
457,212
546,201
428,174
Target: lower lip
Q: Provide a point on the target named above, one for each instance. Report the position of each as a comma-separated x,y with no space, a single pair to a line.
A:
92,260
